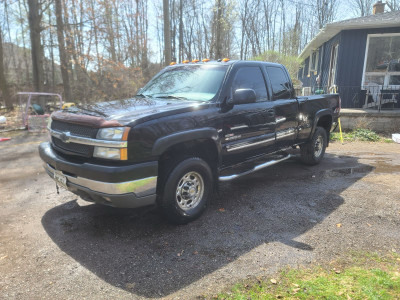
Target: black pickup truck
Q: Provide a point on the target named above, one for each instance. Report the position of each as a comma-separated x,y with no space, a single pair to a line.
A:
191,126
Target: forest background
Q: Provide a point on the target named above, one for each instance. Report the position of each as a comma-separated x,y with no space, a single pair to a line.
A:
95,50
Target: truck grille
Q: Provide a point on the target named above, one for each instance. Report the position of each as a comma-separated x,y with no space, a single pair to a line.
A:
74,129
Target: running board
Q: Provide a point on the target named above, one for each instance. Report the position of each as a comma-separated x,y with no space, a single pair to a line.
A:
256,168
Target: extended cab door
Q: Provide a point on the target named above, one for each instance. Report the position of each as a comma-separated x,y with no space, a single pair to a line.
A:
285,104
248,129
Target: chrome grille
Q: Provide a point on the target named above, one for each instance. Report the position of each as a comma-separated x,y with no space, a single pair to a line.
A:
74,129
80,149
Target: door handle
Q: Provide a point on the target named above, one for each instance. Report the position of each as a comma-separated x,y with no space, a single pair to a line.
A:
270,112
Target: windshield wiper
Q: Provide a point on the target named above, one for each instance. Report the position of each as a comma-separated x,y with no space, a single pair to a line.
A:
171,97
142,95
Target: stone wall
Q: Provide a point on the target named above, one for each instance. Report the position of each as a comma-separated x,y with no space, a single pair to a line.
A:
382,122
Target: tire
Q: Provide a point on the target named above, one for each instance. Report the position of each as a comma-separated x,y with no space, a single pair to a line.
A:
313,151
186,190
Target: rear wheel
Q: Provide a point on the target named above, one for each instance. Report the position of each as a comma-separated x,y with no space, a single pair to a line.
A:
186,190
313,151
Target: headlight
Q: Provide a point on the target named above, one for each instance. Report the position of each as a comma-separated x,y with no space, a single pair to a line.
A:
113,133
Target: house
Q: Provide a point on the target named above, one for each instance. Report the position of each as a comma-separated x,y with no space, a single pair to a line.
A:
359,58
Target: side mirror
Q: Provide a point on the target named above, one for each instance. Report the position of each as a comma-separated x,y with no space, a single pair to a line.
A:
243,96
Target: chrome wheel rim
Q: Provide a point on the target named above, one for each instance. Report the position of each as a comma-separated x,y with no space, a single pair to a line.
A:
318,146
190,190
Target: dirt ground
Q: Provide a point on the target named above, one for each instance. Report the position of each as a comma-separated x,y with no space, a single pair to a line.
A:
60,247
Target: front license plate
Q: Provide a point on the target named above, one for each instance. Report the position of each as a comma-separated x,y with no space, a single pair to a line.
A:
60,179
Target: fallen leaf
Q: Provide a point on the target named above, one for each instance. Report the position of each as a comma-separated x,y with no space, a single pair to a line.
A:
222,209
130,286
295,284
295,290
273,281
369,224
195,252
338,225
3,257
337,271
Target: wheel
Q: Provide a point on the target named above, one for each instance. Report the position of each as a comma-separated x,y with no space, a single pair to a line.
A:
313,151
186,191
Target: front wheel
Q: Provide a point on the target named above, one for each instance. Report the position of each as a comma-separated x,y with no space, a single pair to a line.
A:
313,151
186,191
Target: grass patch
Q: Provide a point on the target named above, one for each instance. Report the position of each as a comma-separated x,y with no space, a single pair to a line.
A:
362,276
360,134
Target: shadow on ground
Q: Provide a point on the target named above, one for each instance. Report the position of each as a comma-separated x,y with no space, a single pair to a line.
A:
138,251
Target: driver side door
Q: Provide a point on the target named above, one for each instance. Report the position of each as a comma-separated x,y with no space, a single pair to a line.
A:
248,129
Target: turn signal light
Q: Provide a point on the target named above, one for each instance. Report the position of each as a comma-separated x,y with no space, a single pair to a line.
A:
195,60
225,59
185,61
206,60
172,63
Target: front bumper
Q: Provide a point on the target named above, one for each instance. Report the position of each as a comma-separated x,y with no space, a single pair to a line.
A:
119,186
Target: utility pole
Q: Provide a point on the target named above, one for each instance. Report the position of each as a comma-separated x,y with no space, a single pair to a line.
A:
167,33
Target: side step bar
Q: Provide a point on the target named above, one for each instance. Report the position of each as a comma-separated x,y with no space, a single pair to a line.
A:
256,168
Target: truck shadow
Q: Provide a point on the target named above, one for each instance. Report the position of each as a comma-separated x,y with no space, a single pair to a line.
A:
136,250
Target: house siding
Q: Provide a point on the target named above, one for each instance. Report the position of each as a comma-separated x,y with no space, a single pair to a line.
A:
350,64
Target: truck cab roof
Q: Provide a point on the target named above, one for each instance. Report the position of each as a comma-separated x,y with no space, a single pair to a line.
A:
230,62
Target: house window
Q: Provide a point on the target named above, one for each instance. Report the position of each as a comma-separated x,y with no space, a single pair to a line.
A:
382,60
314,61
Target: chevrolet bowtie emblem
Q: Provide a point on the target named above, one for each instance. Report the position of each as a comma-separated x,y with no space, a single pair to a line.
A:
65,137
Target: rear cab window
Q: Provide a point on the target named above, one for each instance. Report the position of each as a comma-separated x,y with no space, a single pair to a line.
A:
280,83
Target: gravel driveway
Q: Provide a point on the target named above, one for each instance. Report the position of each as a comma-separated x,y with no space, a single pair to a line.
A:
57,246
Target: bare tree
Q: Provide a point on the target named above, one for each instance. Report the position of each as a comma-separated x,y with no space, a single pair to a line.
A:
167,32
61,49
37,52
325,11
362,7
3,81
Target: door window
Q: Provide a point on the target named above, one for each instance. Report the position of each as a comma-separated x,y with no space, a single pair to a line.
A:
251,78
281,87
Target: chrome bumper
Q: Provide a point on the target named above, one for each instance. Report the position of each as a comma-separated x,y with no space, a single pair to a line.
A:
128,194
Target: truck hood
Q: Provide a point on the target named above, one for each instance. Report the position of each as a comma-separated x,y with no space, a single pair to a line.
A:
134,110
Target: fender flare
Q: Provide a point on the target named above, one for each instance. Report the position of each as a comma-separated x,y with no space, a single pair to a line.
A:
318,115
165,142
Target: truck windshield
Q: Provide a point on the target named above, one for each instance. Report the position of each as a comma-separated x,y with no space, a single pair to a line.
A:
188,82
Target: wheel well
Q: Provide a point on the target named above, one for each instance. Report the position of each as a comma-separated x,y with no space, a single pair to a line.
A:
205,149
326,123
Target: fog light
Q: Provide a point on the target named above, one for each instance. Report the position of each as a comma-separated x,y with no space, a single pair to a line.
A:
109,153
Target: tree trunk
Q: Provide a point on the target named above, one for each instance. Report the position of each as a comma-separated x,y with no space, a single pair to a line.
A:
3,82
61,49
36,46
167,33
